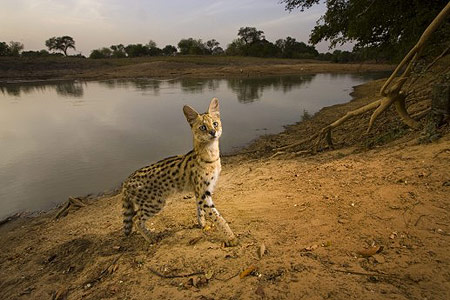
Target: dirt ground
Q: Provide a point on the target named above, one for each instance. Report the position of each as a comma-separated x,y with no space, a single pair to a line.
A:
23,69
317,218
368,220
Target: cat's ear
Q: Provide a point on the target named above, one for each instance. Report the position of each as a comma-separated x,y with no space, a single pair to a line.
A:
214,107
190,114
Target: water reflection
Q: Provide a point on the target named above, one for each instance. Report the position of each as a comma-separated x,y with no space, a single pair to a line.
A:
246,89
252,89
141,84
62,88
70,89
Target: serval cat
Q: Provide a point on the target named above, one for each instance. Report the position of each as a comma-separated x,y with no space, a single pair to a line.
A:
145,191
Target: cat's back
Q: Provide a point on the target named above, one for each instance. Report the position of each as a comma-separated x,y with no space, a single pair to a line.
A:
161,173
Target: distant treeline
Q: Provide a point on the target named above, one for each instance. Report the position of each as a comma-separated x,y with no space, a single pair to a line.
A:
250,42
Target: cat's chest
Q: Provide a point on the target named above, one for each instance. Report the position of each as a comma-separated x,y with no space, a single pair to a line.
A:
214,177
209,174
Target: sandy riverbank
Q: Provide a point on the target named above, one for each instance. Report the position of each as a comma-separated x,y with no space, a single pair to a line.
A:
317,216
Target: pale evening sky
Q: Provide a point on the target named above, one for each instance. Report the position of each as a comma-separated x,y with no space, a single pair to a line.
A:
98,23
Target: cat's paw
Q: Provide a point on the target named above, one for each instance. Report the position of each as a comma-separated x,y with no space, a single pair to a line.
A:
206,228
231,243
201,222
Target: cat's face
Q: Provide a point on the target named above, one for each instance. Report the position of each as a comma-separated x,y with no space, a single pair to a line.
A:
205,127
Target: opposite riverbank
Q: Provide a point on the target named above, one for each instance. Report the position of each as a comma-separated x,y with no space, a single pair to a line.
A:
71,68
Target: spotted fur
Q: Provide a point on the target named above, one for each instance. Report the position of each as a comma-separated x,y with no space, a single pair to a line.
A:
146,190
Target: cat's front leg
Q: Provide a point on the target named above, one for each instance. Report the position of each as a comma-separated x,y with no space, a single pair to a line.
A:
207,205
201,214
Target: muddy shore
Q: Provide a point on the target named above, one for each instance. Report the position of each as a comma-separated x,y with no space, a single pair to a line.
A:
366,220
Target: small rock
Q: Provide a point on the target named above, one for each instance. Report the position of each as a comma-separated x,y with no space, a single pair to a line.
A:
209,274
311,248
260,292
326,244
261,250
379,258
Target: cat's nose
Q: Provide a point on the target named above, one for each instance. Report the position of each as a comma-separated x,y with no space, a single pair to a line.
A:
212,132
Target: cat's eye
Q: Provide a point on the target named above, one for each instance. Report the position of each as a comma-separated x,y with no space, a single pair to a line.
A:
203,127
215,124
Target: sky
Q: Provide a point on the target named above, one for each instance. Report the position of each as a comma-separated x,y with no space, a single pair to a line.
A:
98,23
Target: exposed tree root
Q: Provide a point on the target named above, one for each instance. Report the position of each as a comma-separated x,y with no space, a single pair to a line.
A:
390,95
72,202
175,275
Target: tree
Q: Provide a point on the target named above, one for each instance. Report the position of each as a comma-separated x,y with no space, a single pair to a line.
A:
136,50
169,50
11,49
40,53
153,50
15,48
218,51
151,44
251,42
262,48
192,46
212,47
62,44
390,26
235,48
4,49
101,53
290,48
250,35
392,92
118,51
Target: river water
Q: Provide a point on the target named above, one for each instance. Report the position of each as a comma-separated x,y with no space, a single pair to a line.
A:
69,138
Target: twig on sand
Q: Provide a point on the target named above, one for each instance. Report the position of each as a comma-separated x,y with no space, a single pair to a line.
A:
175,275
72,202
229,278
108,270
418,219
368,274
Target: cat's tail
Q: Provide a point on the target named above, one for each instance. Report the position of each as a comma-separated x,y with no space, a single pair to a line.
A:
128,214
